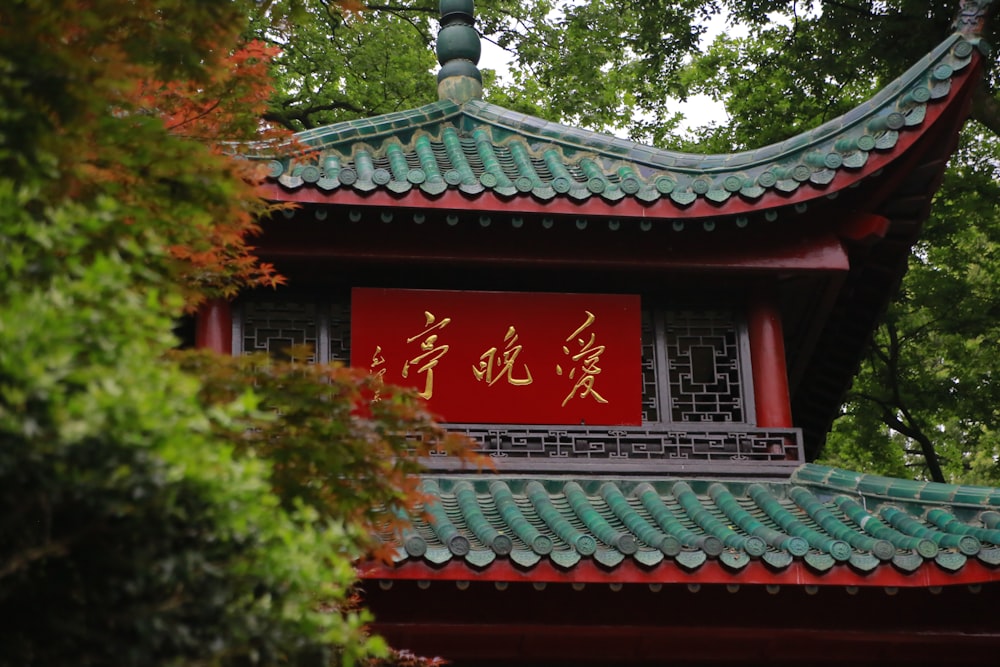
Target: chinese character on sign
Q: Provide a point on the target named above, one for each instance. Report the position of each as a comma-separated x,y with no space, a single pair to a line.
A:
505,362
430,354
379,382
586,358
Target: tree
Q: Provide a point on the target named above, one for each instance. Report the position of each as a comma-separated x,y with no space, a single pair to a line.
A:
335,65
138,526
596,63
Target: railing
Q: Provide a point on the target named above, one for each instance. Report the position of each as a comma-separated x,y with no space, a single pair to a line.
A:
713,448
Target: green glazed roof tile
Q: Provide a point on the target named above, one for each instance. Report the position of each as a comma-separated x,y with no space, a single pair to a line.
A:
691,559
779,560
480,559
525,559
735,560
439,137
899,489
609,557
823,517
820,562
437,555
990,556
908,562
951,561
565,559
649,557
864,562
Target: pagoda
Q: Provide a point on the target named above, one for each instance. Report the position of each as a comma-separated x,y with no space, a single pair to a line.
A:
651,347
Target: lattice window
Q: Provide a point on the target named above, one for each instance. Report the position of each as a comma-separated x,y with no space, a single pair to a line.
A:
650,395
704,370
275,326
339,313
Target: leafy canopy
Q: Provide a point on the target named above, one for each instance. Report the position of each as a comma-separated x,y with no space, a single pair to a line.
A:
139,524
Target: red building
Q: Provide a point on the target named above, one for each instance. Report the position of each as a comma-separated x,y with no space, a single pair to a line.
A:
651,346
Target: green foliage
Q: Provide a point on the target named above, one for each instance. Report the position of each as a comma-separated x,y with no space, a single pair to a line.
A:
803,63
596,63
933,366
128,535
136,527
600,63
297,409
337,64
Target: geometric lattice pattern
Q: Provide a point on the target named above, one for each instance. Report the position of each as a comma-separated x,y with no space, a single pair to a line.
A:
339,330
656,446
275,326
650,396
702,350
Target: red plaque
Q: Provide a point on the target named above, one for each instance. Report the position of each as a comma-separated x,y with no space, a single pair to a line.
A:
506,357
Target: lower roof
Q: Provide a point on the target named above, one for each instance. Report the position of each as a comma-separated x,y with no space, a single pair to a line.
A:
822,526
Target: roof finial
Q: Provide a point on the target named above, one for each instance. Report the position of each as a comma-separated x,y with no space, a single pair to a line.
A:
972,18
458,50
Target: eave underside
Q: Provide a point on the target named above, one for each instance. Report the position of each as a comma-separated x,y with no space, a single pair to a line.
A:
563,625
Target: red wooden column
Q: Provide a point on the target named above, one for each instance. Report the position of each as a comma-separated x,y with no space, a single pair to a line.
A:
214,327
767,358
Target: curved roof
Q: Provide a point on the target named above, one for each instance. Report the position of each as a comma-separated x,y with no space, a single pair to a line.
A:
823,526
479,149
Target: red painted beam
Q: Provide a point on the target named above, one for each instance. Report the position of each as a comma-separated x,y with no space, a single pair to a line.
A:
214,327
822,253
864,228
668,572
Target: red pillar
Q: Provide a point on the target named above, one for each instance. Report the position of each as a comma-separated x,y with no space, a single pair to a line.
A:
767,358
214,327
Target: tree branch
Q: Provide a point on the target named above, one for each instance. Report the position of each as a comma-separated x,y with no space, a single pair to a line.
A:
287,117
910,428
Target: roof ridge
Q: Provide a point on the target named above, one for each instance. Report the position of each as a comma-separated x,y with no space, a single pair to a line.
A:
588,141
579,164
371,128
894,489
